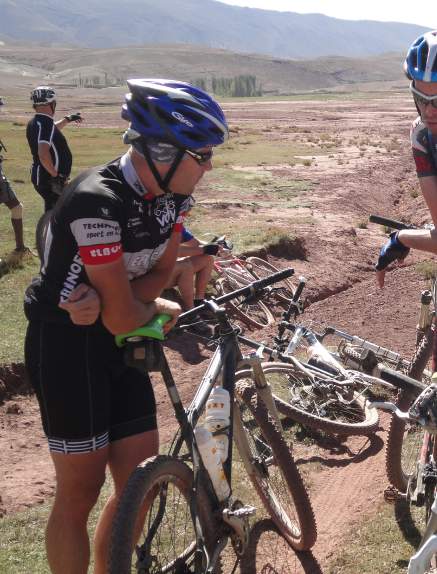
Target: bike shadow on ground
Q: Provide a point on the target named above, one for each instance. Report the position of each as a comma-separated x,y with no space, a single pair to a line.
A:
407,524
338,451
269,553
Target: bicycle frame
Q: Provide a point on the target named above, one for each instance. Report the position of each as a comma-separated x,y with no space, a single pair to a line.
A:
224,363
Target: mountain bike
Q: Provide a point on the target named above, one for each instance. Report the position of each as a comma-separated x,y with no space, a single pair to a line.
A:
171,516
233,273
421,488
404,436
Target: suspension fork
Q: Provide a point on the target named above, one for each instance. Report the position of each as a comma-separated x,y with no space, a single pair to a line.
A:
254,361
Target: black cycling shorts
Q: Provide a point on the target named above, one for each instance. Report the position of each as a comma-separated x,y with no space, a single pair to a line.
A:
7,194
87,396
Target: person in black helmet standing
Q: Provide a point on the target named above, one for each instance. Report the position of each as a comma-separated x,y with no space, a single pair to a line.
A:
116,230
51,154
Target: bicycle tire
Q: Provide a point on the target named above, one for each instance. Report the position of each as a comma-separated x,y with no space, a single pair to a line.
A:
284,290
309,405
274,472
41,233
404,439
158,477
254,314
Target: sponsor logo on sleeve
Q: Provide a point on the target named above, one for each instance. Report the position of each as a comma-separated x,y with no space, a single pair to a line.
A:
94,230
98,254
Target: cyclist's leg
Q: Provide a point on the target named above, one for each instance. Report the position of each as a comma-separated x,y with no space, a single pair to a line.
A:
202,267
79,478
183,278
125,455
133,438
48,196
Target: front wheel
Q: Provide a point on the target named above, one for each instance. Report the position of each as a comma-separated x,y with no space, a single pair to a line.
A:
273,472
317,402
404,439
153,530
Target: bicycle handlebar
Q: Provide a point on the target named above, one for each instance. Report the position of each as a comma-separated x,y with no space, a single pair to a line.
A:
153,329
393,223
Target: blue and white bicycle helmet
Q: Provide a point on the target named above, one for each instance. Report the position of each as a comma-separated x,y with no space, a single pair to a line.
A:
174,112
421,61
43,95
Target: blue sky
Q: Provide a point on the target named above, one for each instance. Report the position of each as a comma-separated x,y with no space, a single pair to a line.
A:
423,13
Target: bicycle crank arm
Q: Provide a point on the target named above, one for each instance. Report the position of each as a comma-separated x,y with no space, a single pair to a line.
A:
238,520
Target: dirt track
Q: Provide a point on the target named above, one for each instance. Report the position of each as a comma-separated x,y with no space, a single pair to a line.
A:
337,259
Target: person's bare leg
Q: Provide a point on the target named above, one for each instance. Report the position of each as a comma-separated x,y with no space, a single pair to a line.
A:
124,457
16,209
183,278
79,478
202,268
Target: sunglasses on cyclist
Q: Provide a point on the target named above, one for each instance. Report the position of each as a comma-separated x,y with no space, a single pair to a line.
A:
202,157
422,99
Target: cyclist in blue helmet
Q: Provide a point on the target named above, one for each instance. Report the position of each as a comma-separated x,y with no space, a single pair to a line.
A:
114,236
420,67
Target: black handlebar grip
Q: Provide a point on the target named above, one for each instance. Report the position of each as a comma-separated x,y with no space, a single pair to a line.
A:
393,223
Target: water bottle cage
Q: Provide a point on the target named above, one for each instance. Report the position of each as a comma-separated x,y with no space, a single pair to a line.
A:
145,355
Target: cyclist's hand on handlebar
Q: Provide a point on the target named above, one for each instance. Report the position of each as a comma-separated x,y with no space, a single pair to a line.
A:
392,251
83,305
169,308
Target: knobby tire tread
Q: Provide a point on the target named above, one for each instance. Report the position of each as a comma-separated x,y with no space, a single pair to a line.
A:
365,427
306,536
141,481
395,436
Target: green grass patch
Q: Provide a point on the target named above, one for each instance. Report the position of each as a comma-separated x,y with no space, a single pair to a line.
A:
427,269
382,543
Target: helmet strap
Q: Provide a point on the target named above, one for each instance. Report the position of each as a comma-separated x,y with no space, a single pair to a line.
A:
163,183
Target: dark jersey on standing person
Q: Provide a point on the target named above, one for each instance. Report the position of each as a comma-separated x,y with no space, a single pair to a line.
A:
42,129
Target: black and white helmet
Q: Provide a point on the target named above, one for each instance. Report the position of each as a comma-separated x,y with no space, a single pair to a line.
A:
42,95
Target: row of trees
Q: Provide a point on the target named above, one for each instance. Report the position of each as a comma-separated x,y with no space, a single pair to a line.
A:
238,86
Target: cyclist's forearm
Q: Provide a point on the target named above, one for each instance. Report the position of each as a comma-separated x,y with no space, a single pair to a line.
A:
148,287
135,316
46,160
61,123
421,239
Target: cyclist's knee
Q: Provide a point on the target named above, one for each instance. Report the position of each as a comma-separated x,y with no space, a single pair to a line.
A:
17,211
78,498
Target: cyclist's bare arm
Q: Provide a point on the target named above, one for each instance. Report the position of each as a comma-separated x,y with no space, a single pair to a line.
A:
150,286
424,239
46,159
121,311
428,185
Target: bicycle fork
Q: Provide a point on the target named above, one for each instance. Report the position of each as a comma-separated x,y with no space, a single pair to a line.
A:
254,360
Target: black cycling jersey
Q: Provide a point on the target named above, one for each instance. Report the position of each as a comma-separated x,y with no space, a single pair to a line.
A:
42,129
424,147
104,214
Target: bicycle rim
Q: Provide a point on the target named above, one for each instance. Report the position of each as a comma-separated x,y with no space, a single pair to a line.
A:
404,439
284,290
273,471
255,314
323,406
156,505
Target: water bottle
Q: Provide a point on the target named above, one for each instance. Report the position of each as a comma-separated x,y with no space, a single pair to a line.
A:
217,413
211,459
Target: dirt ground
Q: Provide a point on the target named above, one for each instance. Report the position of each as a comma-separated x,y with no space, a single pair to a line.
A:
370,171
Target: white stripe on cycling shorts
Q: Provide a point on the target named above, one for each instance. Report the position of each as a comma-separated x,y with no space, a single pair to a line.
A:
79,446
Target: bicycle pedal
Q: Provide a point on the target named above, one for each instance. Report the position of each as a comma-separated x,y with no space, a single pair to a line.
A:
392,495
242,512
